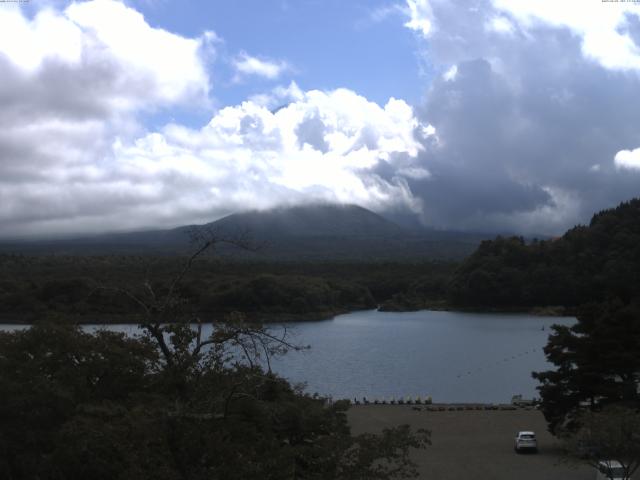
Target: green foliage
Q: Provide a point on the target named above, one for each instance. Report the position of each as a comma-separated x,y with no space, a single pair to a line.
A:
284,293
104,406
89,289
586,264
46,374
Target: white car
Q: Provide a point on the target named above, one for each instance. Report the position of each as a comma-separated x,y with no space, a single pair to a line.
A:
610,470
525,441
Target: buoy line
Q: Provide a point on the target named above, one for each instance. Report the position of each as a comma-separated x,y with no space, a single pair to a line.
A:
497,362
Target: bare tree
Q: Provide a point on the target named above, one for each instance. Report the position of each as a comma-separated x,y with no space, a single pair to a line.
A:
177,330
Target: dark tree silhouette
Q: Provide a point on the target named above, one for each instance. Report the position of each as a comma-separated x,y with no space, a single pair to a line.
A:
597,363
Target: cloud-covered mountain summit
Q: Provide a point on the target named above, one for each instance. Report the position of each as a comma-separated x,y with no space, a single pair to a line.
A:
316,220
305,232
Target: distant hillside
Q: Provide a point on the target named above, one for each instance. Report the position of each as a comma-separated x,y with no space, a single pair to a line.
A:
311,232
588,263
321,220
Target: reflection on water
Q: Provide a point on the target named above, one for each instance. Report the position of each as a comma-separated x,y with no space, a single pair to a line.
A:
450,356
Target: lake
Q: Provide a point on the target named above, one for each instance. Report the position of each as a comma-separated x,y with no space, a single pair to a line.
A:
450,356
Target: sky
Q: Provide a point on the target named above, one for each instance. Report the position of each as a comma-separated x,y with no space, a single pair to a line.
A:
482,115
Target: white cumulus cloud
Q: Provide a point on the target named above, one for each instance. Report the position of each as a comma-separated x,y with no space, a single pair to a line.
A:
628,159
279,96
597,23
246,64
73,81
320,146
500,24
450,74
323,146
138,64
420,17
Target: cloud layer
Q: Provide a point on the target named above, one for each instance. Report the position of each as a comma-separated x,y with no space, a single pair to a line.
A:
74,159
529,122
72,83
323,146
530,113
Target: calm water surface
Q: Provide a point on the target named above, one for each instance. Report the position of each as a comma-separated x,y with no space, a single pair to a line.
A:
451,356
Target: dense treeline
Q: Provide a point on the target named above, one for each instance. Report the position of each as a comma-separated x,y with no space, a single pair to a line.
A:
587,264
33,288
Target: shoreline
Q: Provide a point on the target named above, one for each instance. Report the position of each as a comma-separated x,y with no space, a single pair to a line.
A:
135,319
274,318
546,311
448,406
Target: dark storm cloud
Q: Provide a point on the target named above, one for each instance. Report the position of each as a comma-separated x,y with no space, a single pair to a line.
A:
527,128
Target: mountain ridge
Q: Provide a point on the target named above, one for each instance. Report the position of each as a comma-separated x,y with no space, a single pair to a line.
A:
314,220
307,232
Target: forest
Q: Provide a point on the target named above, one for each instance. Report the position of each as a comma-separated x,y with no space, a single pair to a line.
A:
87,289
587,264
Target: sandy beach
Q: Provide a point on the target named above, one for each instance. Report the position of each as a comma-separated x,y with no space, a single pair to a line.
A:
474,444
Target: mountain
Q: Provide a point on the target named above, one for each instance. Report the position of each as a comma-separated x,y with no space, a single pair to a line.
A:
307,232
319,220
